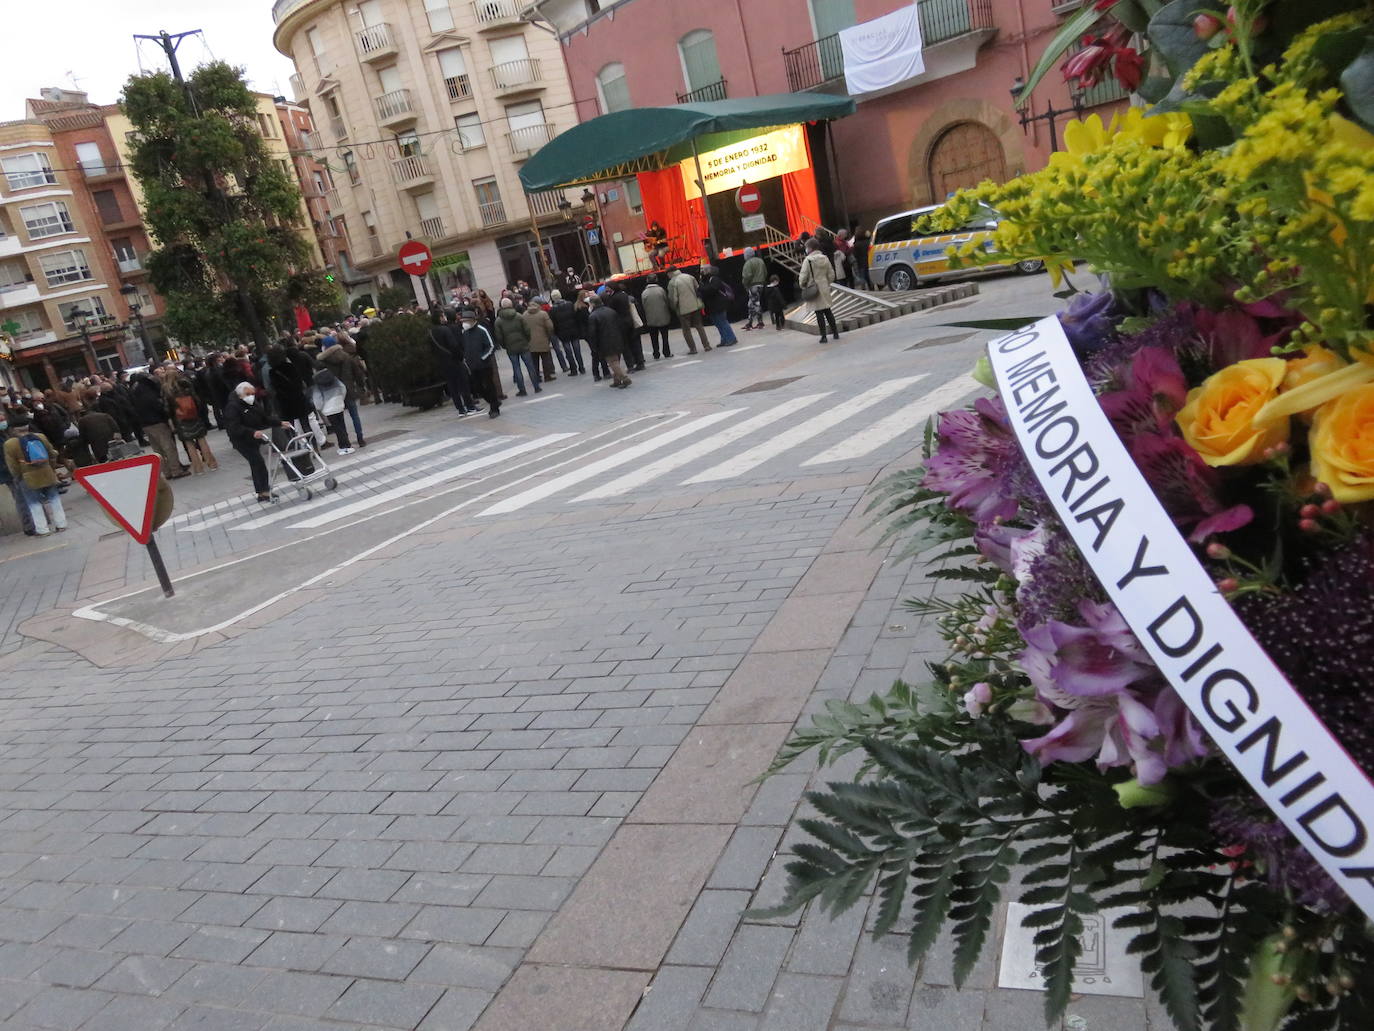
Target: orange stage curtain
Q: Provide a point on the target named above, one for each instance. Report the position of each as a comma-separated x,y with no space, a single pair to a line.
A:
665,202
799,194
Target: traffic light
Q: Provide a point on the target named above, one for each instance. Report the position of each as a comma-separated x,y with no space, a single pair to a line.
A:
329,277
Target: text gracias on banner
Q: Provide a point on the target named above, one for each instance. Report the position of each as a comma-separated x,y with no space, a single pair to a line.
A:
1231,686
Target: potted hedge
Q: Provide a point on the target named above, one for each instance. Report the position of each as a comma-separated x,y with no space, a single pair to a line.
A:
401,358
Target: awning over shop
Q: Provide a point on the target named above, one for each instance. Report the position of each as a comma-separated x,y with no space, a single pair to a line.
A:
650,139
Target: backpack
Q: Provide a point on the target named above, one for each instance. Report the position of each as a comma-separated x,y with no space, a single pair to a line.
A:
186,410
33,450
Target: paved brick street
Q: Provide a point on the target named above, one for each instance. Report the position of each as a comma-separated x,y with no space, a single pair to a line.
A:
472,743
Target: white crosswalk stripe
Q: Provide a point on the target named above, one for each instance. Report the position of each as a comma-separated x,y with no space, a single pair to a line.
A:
870,438
700,449
802,432
592,469
432,480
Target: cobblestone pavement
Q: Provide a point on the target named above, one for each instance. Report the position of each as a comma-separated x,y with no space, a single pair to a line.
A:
488,759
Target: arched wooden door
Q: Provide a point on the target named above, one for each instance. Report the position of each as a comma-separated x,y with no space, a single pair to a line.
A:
965,155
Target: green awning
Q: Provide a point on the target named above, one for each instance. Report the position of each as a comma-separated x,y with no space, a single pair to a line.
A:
649,139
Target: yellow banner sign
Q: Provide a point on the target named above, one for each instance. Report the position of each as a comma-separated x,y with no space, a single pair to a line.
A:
748,161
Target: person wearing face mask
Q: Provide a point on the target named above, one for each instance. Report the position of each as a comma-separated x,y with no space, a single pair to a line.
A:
248,425
478,351
15,483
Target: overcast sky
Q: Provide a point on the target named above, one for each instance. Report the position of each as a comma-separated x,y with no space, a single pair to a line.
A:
49,41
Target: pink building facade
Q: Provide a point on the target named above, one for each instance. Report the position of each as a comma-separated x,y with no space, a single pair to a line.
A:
950,127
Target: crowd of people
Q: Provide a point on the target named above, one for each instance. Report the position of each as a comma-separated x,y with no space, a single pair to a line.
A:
313,382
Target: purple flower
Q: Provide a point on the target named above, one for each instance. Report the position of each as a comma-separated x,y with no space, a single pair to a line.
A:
972,465
1187,487
1117,706
1090,322
1279,857
977,698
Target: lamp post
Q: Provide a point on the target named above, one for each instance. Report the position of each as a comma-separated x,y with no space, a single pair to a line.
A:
136,313
82,318
1050,114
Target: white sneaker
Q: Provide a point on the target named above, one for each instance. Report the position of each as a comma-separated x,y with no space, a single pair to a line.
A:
345,451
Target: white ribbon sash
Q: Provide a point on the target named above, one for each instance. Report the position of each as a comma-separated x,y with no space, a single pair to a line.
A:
1150,572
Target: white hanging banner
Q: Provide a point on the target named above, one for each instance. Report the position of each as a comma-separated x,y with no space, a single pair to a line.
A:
884,52
1234,690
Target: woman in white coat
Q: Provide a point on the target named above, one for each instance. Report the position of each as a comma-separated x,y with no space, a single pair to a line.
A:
329,396
817,276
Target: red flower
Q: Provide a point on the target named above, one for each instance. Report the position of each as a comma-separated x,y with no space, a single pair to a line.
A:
1105,5
1129,68
1088,65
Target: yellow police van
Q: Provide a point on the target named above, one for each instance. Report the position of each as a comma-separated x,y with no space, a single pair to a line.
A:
901,258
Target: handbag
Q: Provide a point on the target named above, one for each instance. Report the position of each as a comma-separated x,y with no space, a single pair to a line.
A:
71,432
811,291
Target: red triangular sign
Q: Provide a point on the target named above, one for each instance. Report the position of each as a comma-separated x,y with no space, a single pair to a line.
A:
127,490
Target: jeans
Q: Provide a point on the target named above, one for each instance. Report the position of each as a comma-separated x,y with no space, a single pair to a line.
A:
21,505
727,334
692,320
659,337
351,407
556,346
37,497
545,359
572,354
340,430
527,360
252,453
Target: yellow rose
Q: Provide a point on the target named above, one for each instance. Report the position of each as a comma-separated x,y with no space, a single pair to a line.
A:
1342,443
1219,421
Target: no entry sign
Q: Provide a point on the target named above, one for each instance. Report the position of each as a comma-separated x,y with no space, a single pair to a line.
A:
748,199
415,257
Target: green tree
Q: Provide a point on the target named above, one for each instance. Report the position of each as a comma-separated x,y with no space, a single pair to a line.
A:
226,218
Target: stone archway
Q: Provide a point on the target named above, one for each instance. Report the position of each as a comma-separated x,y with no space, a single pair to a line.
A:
964,155
951,115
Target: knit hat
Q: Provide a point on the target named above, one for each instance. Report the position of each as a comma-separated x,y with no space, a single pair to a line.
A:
749,252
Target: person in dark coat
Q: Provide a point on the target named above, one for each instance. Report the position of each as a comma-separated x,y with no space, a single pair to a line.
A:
608,340
116,403
717,302
290,390
568,332
342,359
205,394
150,409
247,424
97,426
446,339
622,304
478,351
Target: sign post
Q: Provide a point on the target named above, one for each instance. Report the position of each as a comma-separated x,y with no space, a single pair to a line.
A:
127,491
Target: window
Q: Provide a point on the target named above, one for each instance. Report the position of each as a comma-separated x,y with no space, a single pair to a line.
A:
81,312
830,16
267,124
508,49
612,88
408,144
699,64
24,171
312,36
14,275
390,78
527,128
30,322
431,222
107,204
593,7
633,196
455,72
126,255
489,204
351,164
374,244
64,267
108,361
470,131
51,219
331,103
440,17
88,157
370,12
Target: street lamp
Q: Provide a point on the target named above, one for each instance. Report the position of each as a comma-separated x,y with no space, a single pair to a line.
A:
136,313
1051,114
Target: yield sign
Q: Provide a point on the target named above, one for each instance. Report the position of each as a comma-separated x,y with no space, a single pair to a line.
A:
126,490
415,257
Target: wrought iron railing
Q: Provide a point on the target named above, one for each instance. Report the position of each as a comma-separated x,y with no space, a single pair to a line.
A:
821,61
711,91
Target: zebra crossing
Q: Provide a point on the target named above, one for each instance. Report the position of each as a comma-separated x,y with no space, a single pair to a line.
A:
672,448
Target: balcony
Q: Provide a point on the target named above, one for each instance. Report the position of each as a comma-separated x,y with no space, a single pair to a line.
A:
711,91
395,108
411,172
374,245
375,42
821,63
545,203
517,76
493,213
91,323
529,138
332,201
433,228
311,141
130,266
496,14
35,337
297,86
18,294
458,86
101,173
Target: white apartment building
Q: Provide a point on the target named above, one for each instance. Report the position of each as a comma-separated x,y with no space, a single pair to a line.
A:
425,110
